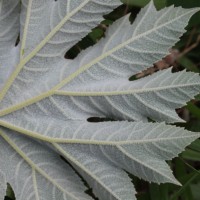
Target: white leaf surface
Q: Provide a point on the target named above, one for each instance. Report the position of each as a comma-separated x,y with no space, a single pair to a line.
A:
66,20
125,53
50,28
140,149
39,173
2,185
106,180
156,97
156,37
116,142
9,31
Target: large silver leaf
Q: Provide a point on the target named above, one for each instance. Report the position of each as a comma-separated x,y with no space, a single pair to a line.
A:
36,172
2,185
107,180
145,42
116,142
156,97
50,99
125,53
61,23
49,28
9,30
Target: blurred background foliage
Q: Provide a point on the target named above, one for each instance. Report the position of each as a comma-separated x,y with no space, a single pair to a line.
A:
184,55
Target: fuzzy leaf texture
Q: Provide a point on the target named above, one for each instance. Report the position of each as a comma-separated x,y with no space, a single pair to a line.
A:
45,99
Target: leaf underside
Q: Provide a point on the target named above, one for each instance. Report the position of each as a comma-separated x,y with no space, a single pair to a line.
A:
45,99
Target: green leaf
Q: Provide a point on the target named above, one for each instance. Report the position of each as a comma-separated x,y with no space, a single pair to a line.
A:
195,145
195,191
187,183
9,192
188,64
195,110
191,155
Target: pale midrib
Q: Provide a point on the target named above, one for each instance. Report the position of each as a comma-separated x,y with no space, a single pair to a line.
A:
32,165
28,16
125,92
37,49
36,135
58,148
90,94
35,185
75,74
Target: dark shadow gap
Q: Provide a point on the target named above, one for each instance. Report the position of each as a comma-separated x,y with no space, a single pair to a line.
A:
99,119
10,195
99,32
17,40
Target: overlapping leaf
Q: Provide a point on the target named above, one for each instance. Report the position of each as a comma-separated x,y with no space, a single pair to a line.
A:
49,99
